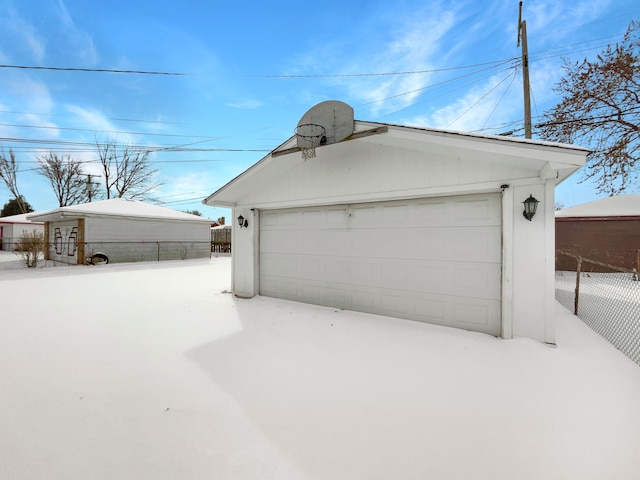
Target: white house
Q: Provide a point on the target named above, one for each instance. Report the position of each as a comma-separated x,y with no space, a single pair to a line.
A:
409,222
15,226
124,231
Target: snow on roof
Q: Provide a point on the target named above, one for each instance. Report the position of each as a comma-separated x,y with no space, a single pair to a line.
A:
119,207
21,218
621,206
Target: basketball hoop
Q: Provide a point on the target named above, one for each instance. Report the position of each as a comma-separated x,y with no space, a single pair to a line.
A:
310,136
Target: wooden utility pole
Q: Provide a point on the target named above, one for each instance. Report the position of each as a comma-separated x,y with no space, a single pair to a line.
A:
90,185
522,40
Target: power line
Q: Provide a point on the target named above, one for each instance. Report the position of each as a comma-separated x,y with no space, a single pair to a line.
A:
84,146
438,83
161,122
106,131
515,60
149,148
512,75
385,74
93,70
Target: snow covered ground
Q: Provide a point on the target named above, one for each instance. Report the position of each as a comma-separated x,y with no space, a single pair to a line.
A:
609,303
154,371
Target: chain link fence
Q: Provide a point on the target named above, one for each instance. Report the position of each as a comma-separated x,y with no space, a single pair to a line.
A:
126,252
72,252
608,302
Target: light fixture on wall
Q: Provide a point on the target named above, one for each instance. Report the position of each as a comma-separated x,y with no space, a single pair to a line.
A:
530,207
243,222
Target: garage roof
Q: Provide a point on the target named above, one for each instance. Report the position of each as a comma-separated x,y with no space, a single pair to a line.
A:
117,207
536,155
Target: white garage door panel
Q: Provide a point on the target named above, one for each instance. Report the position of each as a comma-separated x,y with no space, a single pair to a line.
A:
433,260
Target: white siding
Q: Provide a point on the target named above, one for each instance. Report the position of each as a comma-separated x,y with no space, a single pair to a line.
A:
359,172
433,260
11,233
137,239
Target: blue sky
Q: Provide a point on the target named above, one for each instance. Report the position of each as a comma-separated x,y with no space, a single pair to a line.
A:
252,69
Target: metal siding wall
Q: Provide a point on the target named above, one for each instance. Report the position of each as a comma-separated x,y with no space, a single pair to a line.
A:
131,240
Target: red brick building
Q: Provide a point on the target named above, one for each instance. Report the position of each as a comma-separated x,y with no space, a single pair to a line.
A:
607,231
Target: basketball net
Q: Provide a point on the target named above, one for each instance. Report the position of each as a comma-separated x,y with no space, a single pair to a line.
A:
308,153
311,135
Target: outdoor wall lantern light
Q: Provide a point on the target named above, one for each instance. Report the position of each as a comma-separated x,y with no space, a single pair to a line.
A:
243,222
530,207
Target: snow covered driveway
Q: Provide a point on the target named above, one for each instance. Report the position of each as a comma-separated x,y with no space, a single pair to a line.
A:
152,371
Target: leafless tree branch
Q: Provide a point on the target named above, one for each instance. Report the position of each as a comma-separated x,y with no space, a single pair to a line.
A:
600,109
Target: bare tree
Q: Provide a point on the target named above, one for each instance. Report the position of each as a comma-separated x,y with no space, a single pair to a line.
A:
600,109
193,212
66,177
8,171
127,171
30,248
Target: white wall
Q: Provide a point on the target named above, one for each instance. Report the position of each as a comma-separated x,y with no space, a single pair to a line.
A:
357,172
135,239
245,264
531,260
11,233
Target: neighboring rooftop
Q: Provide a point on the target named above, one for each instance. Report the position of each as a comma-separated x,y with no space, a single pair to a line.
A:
21,218
620,206
119,207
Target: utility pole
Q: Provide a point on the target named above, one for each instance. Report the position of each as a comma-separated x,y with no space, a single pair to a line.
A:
522,39
90,185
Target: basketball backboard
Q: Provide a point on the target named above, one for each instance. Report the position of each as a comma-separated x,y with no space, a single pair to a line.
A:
335,118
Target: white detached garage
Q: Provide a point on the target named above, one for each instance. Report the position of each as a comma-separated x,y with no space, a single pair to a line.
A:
123,230
408,222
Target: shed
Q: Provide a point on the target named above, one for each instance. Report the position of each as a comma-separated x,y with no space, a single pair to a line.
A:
15,226
402,221
606,231
124,231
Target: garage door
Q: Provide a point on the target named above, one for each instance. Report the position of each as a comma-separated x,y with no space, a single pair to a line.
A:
432,260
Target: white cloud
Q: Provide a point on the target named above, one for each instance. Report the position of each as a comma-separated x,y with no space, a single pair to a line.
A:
559,18
415,45
34,95
47,128
246,104
185,186
546,23
476,109
22,29
91,119
81,41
